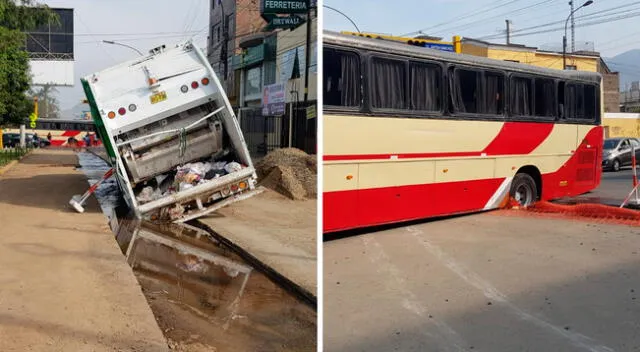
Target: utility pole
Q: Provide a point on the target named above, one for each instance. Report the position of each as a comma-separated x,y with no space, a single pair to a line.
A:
308,54
573,29
508,31
225,42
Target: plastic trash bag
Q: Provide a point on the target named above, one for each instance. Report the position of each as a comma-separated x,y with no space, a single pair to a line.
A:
232,167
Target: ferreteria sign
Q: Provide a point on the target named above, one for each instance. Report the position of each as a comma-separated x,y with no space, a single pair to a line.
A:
284,6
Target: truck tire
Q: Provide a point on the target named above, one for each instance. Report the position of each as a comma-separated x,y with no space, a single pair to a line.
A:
524,189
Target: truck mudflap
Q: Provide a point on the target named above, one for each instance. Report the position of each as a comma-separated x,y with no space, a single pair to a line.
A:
204,198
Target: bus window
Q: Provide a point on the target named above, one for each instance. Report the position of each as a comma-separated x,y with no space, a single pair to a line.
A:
545,98
521,96
590,102
464,91
342,85
574,101
494,93
425,82
388,84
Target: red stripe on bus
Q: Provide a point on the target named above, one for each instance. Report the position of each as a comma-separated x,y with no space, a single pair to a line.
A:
345,210
519,138
70,133
513,138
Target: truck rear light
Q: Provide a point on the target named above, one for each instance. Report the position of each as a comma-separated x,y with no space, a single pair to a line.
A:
111,114
243,185
122,111
234,188
184,88
194,84
205,81
226,191
132,107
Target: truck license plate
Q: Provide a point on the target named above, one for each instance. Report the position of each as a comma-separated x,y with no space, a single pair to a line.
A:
158,97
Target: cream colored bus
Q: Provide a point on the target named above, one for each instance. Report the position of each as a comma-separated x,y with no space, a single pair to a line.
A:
412,133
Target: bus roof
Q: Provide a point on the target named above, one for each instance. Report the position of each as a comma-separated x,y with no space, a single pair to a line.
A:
387,46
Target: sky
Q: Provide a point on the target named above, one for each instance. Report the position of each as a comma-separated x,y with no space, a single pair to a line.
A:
482,18
143,24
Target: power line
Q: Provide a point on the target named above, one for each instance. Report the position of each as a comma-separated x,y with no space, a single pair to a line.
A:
587,16
484,20
466,15
585,24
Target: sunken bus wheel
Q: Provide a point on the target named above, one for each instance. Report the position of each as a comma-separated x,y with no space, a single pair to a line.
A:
524,189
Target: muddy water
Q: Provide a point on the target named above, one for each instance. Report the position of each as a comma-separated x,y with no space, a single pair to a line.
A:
204,296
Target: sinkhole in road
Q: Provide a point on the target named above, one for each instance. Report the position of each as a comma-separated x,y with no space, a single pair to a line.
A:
204,295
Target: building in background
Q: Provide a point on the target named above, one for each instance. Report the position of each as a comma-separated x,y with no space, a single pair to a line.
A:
579,60
259,50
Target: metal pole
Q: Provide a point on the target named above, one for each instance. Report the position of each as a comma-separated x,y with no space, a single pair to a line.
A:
508,32
308,54
573,29
564,52
23,141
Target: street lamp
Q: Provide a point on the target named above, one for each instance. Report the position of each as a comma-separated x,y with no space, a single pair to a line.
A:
345,16
564,39
125,45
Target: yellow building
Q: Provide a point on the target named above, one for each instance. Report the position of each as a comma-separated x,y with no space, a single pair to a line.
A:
621,125
582,61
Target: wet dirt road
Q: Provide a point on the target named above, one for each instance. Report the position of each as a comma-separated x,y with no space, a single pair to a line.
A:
203,295
484,282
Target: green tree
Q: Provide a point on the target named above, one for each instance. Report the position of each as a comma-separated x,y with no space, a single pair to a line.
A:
17,16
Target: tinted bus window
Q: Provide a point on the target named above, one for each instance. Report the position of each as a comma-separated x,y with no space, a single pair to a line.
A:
465,93
388,84
494,88
574,101
545,98
342,79
521,96
425,82
590,102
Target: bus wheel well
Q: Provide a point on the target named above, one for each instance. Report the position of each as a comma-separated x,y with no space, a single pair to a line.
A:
535,174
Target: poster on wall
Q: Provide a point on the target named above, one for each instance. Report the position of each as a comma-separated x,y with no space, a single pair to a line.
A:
273,100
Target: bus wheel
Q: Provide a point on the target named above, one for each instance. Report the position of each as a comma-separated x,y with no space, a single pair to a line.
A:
524,189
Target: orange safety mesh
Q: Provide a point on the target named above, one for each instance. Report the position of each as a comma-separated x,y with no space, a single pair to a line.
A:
586,211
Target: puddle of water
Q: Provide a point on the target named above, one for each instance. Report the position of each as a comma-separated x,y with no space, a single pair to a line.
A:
201,293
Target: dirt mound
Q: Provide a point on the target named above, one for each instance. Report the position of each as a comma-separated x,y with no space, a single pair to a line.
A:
289,171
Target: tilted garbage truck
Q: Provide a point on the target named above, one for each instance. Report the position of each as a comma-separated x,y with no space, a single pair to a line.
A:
170,133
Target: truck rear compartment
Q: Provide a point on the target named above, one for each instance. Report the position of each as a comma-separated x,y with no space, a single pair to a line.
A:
183,164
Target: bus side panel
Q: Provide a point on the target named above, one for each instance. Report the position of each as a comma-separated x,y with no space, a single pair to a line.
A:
378,206
582,172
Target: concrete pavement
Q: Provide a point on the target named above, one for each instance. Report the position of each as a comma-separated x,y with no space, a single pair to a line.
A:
484,282
64,284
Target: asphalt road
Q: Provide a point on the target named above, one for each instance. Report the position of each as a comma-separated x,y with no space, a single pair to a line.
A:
614,187
485,282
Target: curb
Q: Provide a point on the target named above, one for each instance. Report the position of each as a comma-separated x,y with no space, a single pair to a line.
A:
7,167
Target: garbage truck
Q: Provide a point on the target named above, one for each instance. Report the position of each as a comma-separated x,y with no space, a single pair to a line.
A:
171,136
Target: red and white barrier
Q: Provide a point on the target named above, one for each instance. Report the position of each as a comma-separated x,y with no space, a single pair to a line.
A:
635,181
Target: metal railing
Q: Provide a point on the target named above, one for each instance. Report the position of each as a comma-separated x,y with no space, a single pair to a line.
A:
9,154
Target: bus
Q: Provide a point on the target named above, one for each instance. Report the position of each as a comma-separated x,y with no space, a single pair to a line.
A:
60,130
413,133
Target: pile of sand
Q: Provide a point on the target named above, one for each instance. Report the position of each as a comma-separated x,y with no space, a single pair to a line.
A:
290,172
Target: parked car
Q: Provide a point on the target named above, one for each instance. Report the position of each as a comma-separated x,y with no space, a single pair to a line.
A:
616,152
12,140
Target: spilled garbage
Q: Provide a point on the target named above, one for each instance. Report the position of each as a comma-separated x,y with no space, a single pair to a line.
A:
185,177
